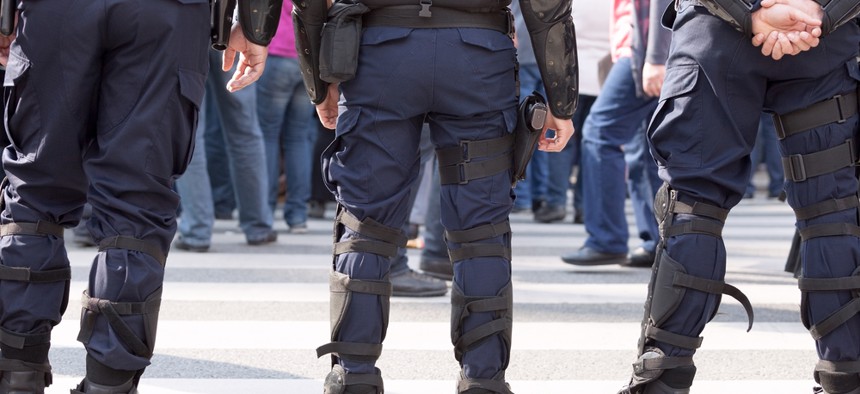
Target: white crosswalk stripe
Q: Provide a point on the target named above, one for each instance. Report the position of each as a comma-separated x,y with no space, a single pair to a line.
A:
245,319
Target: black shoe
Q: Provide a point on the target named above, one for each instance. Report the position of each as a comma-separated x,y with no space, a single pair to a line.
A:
537,203
316,209
265,238
589,256
409,283
181,244
550,213
81,236
88,387
640,258
224,215
437,268
577,217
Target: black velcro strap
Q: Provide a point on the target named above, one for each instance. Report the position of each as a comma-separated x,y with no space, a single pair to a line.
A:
671,338
694,226
464,172
24,274
482,305
835,319
829,230
478,233
653,364
700,209
486,305
38,228
829,284
365,245
13,365
495,386
152,305
833,110
714,287
368,286
371,228
825,207
113,311
468,150
838,366
799,167
362,378
476,334
18,341
341,349
468,251
138,245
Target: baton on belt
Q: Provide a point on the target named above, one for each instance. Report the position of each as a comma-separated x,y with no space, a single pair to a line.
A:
7,17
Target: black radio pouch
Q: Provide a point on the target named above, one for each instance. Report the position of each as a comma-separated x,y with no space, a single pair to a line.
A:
341,37
531,117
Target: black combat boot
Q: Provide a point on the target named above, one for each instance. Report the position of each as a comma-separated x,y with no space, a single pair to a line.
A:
94,388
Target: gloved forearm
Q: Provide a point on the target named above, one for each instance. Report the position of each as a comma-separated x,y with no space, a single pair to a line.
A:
309,16
552,34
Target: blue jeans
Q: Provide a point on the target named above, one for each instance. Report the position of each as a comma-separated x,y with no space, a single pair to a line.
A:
198,216
534,187
223,195
615,119
285,118
642,184
243,142
561,163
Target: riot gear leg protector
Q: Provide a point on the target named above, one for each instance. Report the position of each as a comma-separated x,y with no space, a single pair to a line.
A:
834,376
368,236
24,366
465,306
654,371
101,378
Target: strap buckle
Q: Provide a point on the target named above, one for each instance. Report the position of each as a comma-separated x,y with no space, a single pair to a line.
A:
425,8
777,124
796,168
840,106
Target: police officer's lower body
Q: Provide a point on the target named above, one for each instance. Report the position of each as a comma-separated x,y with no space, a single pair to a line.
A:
101,101
464,81
703,130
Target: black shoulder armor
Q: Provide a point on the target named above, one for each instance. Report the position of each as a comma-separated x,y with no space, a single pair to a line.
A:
837,13
309,16
259,19
551,28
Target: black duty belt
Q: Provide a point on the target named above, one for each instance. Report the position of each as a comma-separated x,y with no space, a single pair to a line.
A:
440,17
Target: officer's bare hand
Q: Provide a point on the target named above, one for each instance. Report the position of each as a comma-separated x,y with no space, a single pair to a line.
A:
563,131
652,78
784,29
5,43
252,60
327,110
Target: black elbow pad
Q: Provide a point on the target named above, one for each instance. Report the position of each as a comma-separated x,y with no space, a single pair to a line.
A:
837,13
259,19
309,16
737,13
552,34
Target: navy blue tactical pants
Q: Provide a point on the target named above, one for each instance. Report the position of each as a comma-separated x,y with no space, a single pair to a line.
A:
463,80
101,101
704,128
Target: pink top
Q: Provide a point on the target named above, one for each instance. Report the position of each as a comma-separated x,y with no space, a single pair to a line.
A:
621,29
284,42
